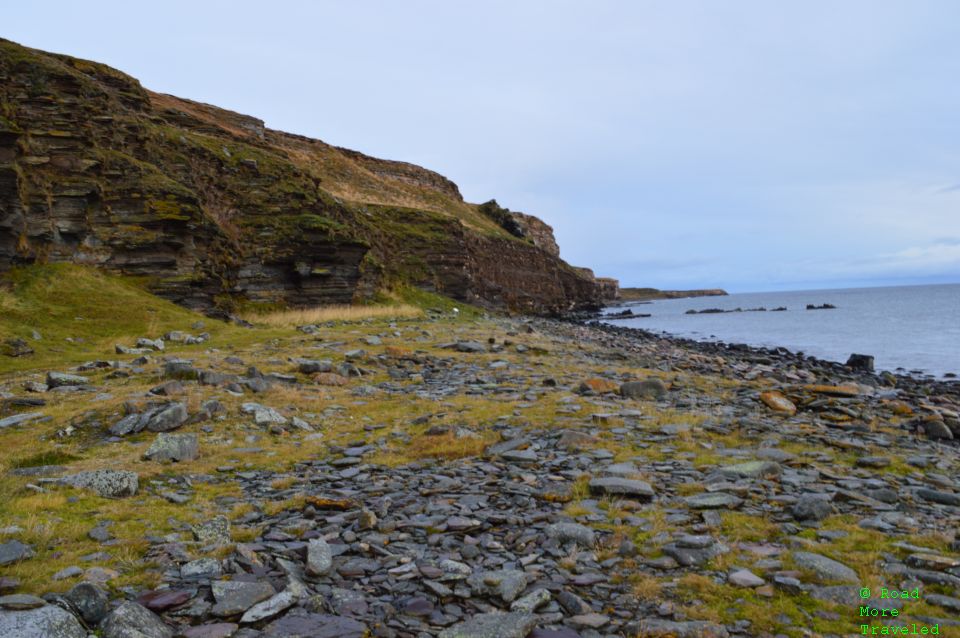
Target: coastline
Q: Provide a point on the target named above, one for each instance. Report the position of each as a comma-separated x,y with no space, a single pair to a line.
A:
620,467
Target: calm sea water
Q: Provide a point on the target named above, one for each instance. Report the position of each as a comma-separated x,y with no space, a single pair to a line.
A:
907,328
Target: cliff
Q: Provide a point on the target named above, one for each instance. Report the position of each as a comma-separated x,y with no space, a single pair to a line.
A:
216,210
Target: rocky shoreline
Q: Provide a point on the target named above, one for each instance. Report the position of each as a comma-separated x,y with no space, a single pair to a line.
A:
504,477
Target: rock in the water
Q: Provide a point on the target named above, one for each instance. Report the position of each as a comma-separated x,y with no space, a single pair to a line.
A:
43,622
173,447
131,620
315,626
613,486
14,551
646,389
108,483
826,569
862,362
236,597
493,625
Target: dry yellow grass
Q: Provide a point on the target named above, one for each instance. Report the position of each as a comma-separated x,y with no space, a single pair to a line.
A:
304,316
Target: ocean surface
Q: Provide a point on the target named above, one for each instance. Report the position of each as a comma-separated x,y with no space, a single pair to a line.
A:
912,329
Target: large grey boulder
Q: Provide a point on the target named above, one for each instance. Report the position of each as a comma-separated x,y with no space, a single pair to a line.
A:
262,415
158,417
131,620
42,622
508,584
62,380
89,601
493,625
825,569
108,483
173,447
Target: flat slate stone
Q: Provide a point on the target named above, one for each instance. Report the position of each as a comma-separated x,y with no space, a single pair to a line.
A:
714,500
315,626
825,568
493,625
236,597
14,551
622,487
17,419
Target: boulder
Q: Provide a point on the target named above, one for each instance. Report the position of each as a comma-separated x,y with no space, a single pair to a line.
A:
131,620
60,380
48,621
862,362
107,483
90,601
173,447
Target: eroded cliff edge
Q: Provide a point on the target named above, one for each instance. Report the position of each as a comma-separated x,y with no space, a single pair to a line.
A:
216,209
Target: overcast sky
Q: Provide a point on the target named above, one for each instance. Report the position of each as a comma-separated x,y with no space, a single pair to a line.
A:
749,145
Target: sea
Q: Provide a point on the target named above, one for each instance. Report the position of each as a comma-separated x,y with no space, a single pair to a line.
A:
908,329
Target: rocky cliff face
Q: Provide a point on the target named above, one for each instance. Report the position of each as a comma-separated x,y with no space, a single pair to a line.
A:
215,208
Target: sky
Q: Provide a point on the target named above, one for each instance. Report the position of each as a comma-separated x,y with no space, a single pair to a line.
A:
749,145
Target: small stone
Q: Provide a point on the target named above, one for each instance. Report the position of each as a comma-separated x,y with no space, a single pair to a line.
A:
713,500
14,551
319,557
20,602
745,578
